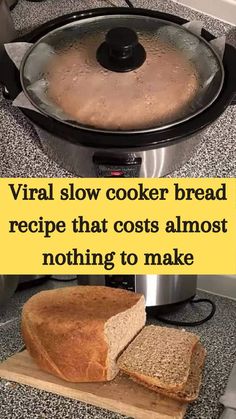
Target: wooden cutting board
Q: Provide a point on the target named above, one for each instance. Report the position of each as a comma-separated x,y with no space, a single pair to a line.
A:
121,395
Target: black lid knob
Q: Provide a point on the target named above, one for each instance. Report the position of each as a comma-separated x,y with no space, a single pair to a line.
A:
121,50
121,39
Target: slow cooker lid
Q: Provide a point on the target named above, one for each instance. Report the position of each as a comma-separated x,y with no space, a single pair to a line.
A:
127,73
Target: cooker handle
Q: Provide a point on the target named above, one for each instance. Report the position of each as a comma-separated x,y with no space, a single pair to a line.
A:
5,93
9,76
230,50
233,101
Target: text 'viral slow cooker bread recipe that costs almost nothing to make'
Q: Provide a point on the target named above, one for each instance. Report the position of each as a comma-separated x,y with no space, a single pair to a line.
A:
83,68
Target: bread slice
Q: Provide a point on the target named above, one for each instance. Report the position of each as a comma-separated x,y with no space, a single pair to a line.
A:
160,356
77,333
191,390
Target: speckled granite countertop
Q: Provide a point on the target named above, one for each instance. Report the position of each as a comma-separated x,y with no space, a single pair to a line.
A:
218,336
20,152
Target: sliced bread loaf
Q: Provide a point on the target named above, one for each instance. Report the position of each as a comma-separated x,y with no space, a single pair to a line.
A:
77,333
191,390
160,356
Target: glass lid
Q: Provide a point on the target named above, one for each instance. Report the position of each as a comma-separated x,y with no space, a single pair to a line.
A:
121,73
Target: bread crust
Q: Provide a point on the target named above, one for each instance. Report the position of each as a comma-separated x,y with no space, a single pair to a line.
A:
37,351
63,329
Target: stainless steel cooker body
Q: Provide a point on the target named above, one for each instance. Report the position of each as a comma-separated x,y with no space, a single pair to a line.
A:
159,290
162,290
96,162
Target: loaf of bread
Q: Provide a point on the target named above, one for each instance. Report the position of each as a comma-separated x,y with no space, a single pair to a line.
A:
191,390
154,94
160,356
77,333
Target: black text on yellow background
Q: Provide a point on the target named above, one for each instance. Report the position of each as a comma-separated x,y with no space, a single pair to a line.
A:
128,226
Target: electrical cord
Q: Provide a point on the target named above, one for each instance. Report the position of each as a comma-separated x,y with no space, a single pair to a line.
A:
114,4
128,2
192,324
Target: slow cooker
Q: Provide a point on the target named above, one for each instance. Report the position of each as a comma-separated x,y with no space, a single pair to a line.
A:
121,92
164,294
159,290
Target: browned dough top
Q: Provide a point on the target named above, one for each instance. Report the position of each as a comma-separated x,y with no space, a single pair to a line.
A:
151,95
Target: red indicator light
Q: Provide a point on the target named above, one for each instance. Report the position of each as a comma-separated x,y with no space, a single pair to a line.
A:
116,173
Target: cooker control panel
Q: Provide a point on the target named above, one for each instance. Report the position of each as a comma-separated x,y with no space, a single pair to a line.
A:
117,166
120,281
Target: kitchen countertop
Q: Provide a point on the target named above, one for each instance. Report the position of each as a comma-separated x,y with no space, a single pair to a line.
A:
20,152
217,335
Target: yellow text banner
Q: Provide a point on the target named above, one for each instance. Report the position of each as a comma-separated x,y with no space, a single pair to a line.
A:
118,226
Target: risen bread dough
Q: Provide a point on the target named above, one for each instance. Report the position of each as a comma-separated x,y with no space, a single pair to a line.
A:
153,94
77,333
